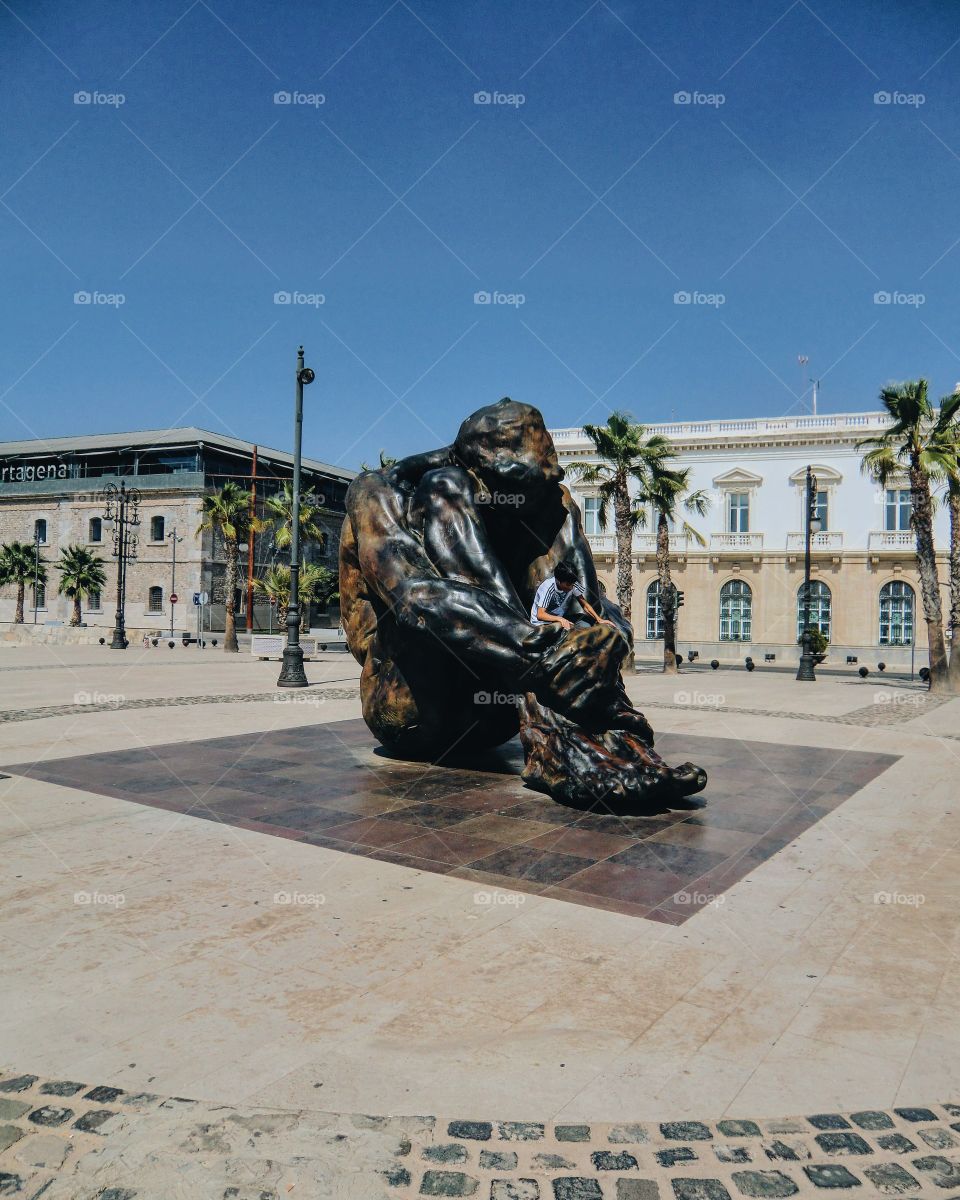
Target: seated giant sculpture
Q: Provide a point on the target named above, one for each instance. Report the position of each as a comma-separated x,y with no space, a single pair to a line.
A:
440,557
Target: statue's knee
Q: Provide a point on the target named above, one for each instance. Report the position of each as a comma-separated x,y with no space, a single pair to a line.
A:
411,602
443,489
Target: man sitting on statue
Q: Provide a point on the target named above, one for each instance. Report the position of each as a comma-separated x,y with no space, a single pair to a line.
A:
556,594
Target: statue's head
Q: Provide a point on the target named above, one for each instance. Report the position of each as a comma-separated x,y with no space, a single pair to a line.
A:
508,447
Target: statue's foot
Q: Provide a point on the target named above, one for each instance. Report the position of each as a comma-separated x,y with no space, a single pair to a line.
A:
617,769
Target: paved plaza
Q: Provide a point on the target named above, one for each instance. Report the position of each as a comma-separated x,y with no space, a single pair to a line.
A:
248,955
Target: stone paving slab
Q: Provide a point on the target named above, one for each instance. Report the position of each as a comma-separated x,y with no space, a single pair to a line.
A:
63,1140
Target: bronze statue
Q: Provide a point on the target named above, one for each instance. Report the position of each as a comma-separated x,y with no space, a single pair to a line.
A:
440,557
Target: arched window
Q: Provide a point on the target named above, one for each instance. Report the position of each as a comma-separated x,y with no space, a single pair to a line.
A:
896,614
155,600
654,611
95,530
40,530
820,602
156,529
736,608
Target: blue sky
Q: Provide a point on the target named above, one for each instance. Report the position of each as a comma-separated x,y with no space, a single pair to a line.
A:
584,198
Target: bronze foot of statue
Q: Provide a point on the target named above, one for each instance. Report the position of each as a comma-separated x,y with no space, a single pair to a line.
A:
614,769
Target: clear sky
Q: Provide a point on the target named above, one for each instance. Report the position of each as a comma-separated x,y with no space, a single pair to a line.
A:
781,199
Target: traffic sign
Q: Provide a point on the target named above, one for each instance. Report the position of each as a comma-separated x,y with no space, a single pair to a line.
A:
200,598
174,597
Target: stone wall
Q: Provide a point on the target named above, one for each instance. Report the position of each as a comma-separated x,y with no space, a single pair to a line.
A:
68,522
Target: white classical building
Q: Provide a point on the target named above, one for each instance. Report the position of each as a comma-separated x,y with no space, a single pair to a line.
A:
743,586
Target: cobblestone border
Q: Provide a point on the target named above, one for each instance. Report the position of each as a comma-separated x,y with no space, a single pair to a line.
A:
871,715
65,1140
906,1151
12,715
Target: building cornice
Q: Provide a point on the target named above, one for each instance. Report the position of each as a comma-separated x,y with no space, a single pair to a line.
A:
760,433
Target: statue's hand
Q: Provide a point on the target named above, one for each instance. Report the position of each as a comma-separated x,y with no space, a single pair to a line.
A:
578,676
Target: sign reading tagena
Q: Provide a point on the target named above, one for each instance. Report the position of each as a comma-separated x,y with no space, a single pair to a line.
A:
26,472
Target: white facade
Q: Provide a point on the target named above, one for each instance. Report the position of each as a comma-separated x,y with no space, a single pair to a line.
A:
753,472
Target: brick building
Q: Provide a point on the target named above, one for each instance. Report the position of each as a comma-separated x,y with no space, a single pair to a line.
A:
54,488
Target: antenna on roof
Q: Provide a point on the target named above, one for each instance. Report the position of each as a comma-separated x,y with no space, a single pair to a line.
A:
803,359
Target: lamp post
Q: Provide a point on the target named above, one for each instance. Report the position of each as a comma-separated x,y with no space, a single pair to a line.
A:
292,673
805,671
174,539
122,511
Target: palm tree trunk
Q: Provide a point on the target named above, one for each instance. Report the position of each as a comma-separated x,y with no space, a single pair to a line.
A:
921,518
953,669
76,617
621,514
21,589
230,645
667,606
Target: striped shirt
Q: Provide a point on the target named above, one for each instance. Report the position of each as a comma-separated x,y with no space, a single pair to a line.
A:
550,598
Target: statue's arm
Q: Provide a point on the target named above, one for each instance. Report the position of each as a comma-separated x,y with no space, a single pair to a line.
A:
473,623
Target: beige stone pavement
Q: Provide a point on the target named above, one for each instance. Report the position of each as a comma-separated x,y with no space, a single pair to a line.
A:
389,991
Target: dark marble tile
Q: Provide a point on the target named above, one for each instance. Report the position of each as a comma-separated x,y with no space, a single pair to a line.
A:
448,846
480,800
687,862
331,786
620,881
636,828
430,816
372,831
537,809
525,862
571,839
310,818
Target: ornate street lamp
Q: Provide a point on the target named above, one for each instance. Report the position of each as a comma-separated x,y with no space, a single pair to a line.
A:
805,671
292,673
122,511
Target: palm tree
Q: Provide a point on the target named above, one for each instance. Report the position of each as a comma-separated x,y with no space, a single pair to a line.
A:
947,470
626,454
80,573
275,585
226,512
279,516
916,441
386,462
953,504
664,490
315,583
18,563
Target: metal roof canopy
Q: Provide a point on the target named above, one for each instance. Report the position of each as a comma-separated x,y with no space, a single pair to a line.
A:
159,439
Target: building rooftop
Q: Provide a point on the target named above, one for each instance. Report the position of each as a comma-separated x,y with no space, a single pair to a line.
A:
149,439
841,426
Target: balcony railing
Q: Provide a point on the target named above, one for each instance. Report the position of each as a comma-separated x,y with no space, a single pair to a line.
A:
762,426
825,540
642,543
736,541
892,539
